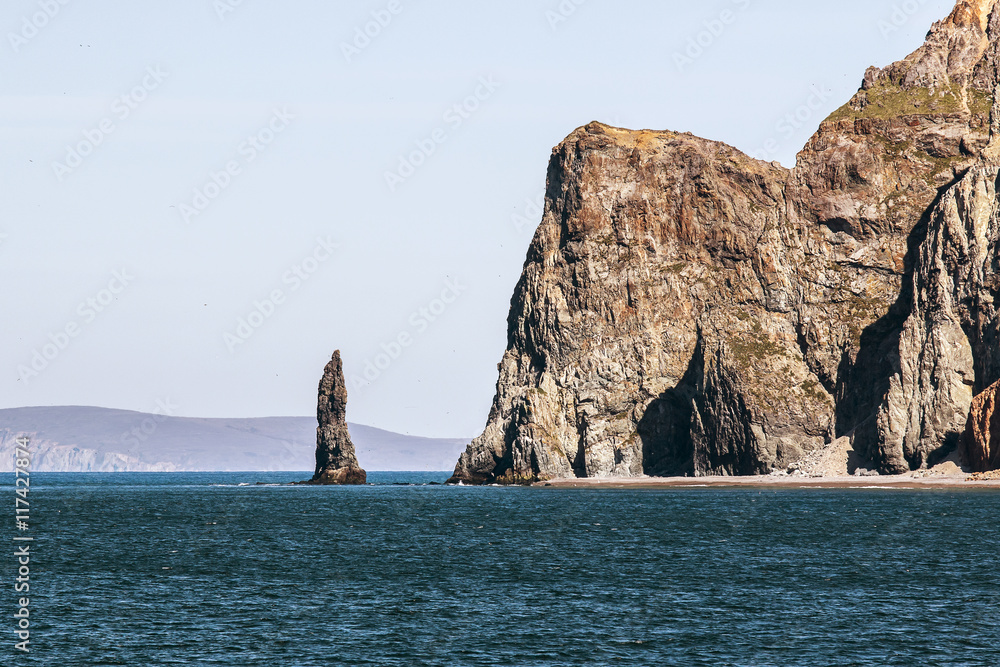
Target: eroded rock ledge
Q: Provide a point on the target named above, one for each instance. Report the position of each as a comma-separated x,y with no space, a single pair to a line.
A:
686,309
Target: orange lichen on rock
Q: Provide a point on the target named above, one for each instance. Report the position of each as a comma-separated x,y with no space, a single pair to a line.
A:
972,12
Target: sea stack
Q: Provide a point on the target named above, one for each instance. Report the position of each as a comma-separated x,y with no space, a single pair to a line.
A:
336,462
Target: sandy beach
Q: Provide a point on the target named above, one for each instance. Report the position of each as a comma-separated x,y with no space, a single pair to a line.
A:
915,481
826,468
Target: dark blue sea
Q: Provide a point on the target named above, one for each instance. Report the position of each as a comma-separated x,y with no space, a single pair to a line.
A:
214,569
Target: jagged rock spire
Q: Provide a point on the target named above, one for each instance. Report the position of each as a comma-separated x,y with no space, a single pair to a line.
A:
336,462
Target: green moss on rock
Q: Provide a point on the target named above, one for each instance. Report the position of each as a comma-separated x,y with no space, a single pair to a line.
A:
753,345
889,100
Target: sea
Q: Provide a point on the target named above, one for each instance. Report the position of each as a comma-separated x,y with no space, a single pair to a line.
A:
244,569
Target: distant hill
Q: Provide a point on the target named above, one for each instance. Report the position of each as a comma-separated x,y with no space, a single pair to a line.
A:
84,439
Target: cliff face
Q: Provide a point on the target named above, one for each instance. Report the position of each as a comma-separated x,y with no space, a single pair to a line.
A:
685,309
980,443
336,462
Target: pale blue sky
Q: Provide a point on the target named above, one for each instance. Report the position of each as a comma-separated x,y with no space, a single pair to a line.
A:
340,126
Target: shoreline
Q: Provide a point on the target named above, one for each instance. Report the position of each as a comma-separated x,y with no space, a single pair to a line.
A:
904,482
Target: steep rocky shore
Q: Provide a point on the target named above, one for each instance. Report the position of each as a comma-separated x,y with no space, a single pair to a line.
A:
685,309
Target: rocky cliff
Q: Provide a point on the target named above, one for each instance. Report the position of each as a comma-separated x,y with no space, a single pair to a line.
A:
336,462
686,309
980,443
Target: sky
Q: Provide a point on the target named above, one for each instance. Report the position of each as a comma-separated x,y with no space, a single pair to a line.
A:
203,199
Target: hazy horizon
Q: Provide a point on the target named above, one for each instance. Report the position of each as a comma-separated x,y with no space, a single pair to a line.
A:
207,198
158,410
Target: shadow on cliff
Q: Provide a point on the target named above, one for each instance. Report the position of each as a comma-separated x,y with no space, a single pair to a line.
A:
665,427
863,383
983,331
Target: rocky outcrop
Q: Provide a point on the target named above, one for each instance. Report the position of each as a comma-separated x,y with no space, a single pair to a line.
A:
980,443
685,309
336,462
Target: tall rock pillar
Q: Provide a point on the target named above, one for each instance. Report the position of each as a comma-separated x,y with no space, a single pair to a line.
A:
336,462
